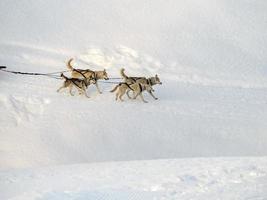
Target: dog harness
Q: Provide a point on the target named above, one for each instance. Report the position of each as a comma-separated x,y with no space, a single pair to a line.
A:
149,82
129,86
140,87
80,72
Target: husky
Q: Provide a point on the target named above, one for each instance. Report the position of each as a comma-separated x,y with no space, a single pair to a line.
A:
143,80
87,73
80,84
137,89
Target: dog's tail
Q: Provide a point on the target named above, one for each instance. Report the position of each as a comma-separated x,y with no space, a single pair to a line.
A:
115,88
69,64
123,74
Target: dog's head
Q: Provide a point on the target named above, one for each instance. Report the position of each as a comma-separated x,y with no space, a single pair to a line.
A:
104,74
157,80
92,80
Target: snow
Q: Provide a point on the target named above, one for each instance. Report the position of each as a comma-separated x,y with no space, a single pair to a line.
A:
208,127
43,127
198,178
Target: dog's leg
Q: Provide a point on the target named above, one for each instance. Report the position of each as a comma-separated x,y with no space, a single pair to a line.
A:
117,95
121,93
128,94
141,96
58,90
136,94
120,96
82,90
96,84
70,90
85,93
153,95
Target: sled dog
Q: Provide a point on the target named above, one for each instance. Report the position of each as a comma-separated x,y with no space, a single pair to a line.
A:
87,73
137,89
80,84
150,81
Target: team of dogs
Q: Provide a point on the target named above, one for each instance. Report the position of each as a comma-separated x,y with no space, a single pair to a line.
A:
82,78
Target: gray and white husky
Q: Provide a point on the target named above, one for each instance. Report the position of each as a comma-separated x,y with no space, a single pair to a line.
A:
137,88
87,73
143,80
80,84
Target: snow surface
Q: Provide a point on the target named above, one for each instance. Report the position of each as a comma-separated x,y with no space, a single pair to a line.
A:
199,178
211,58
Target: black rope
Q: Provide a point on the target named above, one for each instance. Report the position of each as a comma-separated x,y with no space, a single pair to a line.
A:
115,78
52,75
59,72
55,77
108,82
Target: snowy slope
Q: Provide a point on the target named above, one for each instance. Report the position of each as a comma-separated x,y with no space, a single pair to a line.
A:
201,179
41,127
211,58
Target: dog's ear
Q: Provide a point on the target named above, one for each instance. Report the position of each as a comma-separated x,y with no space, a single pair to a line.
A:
156,76
104,70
